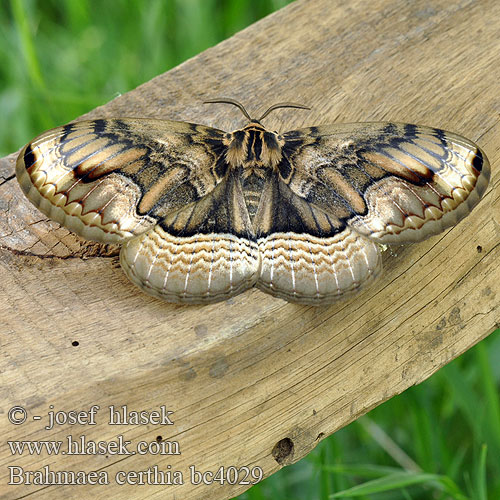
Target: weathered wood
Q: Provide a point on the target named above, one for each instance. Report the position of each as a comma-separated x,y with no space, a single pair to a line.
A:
243,375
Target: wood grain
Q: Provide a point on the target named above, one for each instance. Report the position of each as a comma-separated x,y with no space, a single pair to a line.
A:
241,376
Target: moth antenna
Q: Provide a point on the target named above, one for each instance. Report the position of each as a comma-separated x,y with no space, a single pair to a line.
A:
227,100
283,105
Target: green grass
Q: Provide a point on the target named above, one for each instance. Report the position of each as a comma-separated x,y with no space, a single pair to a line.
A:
61,58
438,440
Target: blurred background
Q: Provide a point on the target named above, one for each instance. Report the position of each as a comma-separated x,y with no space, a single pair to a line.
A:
61,58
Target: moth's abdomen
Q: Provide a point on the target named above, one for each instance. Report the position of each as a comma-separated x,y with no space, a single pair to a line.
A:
253,185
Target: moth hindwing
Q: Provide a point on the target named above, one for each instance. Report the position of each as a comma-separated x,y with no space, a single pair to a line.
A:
203,215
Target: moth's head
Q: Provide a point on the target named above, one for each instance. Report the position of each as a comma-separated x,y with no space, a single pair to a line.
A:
254,146
254,121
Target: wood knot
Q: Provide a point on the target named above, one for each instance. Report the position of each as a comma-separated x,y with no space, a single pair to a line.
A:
283,451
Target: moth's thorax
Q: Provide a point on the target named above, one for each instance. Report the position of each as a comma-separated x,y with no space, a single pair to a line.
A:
253,148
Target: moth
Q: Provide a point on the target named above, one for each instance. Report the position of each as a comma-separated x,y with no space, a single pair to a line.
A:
203,215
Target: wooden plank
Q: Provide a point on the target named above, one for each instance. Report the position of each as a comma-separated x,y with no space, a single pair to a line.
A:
256,381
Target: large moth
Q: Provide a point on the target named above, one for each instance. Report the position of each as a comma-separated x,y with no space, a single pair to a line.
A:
203,214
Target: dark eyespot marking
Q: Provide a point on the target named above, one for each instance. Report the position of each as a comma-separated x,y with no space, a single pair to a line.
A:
29,157
478,161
